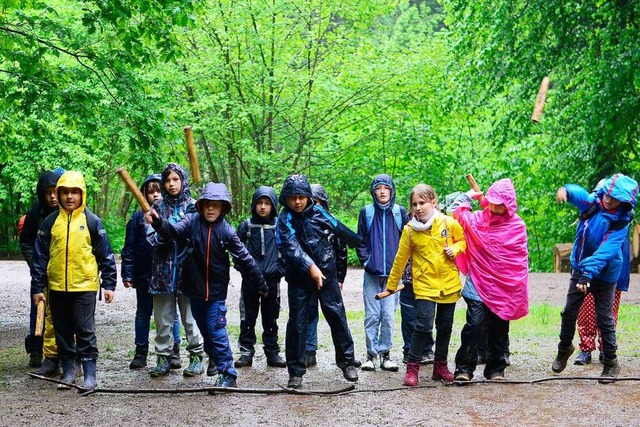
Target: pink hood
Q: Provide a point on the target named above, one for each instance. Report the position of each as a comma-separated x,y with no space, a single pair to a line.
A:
497,252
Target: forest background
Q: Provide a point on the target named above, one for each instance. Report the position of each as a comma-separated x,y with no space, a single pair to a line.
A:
339,90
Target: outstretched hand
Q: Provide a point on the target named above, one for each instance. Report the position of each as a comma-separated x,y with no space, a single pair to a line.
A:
561,195
316,275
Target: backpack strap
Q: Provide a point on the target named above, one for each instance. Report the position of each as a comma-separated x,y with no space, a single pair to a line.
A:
397,216
370,212
92,223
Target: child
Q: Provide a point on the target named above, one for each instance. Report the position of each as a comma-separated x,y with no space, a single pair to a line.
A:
432,241
322,198
258,234
305,236
496,288
379,225
137,255
71,248
46,204
206,273
596,262
167,280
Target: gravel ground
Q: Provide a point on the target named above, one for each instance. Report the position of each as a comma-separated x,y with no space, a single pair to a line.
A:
577,402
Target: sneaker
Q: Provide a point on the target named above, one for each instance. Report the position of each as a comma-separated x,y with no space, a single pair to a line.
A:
212,370
294,382
370,364
195,366
610,370
311,358
175,357
35,360
226,380
561,359
50,367
276,361
243,361
584,358
462,376
139,361
427,358
162,367
350,373
386,364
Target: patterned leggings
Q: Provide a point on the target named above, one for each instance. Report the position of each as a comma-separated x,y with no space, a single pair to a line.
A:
587,326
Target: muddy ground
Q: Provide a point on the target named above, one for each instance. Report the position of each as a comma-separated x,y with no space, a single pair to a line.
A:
26,401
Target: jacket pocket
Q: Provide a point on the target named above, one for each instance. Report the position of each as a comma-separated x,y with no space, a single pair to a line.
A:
221,318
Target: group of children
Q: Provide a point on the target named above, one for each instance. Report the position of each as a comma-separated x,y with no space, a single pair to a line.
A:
178,254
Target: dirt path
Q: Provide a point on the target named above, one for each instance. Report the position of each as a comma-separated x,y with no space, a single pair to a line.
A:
27,401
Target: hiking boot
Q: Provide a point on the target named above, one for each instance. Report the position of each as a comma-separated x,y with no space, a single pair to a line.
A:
89,370
311,358
226,380
427,358
370,363
462,376
610,370
496,376
350,373
139,361
243,361
212,369
294,382
441,371
162,367
386,364
584,358
174,359
276,361
561,359
195,366
411,376
35,360
68,373
50,368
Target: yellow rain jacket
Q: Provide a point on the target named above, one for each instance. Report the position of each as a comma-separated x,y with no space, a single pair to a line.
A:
435,275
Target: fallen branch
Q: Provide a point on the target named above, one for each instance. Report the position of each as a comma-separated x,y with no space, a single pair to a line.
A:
543,380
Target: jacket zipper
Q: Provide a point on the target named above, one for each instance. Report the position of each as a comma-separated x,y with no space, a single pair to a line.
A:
384,243
66,256
206,295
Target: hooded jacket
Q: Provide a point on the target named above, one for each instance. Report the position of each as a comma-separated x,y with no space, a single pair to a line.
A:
306,238
40,209
259,236
600,235
208,245
497,252
169,256
137,253
381,240
320,194
64,257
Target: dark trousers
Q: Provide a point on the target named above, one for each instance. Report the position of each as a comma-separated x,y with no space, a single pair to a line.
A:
73,313
480,317
603,295
425,312
332,307
250,303
408,316
483,344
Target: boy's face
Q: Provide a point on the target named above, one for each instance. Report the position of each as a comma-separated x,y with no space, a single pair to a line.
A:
383,193
211,209
173,184
70,198
497,209
50,196
609,202
297,202
263,207
153,196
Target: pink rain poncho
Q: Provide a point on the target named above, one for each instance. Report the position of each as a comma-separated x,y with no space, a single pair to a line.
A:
497,253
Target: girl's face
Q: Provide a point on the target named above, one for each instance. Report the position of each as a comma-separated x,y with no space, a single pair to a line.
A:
173,184
422,208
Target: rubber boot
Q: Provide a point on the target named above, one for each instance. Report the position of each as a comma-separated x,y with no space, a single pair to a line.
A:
411,377
68,372
89,369
441,371
50,367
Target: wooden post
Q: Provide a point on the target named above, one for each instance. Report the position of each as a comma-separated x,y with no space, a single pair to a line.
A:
193,156
542,96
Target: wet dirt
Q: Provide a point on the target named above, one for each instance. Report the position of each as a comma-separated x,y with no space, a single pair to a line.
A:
27,401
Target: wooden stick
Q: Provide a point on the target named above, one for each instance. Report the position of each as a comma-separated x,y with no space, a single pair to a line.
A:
474,185
388,292
542,96
39,319
133,188
193,156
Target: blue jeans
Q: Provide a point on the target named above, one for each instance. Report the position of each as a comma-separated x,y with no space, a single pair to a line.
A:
312,325
379,315
144,310
408,315
211,317
425,312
